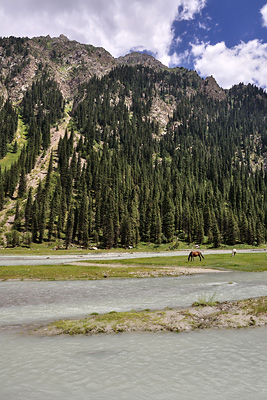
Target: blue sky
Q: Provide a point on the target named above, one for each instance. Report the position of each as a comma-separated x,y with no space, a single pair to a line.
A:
223,38
230,21
227,39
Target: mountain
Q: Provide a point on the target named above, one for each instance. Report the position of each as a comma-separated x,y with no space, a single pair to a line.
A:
69,62
110,152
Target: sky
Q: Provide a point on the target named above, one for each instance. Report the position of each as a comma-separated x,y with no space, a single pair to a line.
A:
223,38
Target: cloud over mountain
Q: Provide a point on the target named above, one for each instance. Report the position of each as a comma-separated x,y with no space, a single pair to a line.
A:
116,25
226,39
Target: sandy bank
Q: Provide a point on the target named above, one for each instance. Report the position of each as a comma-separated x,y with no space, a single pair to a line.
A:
236,314
154,271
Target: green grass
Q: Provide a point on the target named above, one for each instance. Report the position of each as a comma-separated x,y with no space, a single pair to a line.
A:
11,157
68,272
43,249
241,262
254,262
114,321
206,300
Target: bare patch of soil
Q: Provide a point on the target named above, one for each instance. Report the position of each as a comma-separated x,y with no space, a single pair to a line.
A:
40,170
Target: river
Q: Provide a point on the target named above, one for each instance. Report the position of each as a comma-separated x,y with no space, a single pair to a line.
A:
228,364
210,365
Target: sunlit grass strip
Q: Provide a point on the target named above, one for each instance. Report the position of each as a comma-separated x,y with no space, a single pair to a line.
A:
72,272
112,322
12,157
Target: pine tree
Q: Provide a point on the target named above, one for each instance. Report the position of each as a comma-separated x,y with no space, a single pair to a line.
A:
156,230
127,237
199,234
28,211
116,224
108,221
233,232
22,184
2,193
168,217
69,228
17,219
49,173
108,232
134,216
34,224
216,237
83,223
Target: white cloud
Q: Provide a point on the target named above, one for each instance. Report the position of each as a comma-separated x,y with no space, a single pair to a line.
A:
116,25
188,8
245,62
264,15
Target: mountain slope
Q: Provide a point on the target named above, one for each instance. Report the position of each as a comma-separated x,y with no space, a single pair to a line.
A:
148,153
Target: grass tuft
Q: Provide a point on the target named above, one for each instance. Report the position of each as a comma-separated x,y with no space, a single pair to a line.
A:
206,300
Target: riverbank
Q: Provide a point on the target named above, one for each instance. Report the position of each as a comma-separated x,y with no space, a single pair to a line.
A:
205,314
78,268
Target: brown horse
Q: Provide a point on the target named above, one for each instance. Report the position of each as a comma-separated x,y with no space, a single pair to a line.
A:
193,254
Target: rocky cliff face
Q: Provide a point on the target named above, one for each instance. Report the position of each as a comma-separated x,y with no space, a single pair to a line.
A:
211,89
70,62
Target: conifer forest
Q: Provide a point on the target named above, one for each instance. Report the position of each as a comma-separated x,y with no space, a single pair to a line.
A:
148,155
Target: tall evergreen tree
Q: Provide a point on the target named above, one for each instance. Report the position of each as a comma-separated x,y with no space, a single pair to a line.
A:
2,193
168,217
28,210
22,184
69,228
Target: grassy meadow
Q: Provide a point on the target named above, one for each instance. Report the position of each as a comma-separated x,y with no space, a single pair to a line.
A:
254,262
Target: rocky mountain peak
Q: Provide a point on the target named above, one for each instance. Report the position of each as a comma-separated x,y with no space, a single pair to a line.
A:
211,88
136,58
